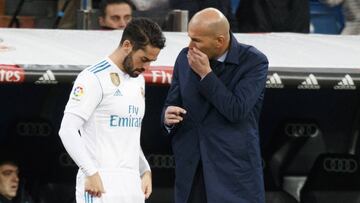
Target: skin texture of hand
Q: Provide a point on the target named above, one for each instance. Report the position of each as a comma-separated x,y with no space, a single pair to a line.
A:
94,185
199,62
173,115
146,184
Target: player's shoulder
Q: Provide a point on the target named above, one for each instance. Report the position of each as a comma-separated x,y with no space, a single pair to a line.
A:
98,68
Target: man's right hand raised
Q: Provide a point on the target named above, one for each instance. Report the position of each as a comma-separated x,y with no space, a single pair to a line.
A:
173,115
94,185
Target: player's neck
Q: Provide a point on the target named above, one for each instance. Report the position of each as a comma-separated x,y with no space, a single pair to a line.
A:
117,57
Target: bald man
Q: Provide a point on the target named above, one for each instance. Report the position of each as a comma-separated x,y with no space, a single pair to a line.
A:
211,113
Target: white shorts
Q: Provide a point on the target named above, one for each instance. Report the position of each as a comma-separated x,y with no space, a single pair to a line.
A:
120,187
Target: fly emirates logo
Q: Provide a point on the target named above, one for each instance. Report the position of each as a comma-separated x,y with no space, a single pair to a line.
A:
133,120
11,74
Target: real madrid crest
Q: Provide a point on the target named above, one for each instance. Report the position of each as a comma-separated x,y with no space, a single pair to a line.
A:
115,79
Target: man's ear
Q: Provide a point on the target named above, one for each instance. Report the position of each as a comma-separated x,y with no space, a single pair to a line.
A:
101,21
220,40
127,46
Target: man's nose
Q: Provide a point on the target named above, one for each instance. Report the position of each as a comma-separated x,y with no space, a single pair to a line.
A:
146,65
191,45
15,178
122,24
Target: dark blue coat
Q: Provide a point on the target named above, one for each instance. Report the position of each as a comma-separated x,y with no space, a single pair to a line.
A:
221,126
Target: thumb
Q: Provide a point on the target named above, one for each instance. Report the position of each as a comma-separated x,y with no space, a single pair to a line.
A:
102,190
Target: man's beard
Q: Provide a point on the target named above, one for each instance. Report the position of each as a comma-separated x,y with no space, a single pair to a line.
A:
129,67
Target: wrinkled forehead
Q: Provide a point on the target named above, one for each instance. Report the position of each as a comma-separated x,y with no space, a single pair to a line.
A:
199,30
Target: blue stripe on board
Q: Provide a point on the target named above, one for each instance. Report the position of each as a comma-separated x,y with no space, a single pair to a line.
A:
98,70
102,63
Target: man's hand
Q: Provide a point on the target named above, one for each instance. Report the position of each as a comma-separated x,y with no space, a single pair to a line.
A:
94,185
146,184
173,115
199,62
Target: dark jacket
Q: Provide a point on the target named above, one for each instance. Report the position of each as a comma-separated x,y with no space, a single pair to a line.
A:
20,198
220,127
4,200
273,16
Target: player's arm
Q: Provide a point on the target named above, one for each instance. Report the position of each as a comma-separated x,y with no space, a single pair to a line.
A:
70,137
84,99
145,172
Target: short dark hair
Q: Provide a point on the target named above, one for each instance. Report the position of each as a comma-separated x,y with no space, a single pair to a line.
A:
104,3
8,156
9,162
142,32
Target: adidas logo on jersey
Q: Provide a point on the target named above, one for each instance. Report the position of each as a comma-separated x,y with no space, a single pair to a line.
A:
274,81
117,93
309,83
346,83
47,78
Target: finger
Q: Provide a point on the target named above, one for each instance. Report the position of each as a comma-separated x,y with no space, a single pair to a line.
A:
148,192
179,110
175,109
90,193
143,188
102,190
198,52
172,121
190,56
191,51
174,116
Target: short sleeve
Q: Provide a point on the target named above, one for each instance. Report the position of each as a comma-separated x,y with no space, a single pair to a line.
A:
85,95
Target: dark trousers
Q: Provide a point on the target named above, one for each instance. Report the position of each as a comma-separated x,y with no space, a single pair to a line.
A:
198,192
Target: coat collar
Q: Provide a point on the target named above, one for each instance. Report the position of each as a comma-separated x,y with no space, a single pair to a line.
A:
233,51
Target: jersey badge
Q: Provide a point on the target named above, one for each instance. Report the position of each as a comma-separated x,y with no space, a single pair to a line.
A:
115,79
77,93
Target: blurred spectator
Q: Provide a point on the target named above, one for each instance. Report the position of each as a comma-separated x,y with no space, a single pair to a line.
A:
194,6
115,14
10,190
67,13
9,181
352,15
273,16
145,5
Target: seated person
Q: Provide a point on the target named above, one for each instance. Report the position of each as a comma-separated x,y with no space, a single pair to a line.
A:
9,183
115,14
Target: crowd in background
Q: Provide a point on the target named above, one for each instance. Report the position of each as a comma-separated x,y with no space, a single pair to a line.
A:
245,16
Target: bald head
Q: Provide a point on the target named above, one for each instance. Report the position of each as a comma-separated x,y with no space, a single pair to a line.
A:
209,32
211,21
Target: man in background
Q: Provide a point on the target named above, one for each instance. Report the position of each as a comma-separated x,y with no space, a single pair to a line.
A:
9,184
9,181
115,14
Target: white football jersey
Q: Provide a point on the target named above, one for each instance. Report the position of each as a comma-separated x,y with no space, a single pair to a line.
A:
113,105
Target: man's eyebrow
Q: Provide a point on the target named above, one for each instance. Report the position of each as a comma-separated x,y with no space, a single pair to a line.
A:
195,39
147,59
